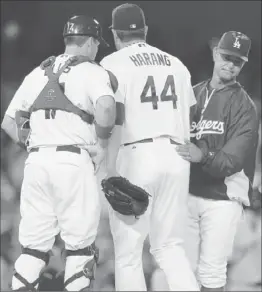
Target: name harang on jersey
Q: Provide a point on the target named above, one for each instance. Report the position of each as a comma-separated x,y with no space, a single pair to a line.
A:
145,59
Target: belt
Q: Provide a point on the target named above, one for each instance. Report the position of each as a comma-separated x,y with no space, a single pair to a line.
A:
69,148
149,140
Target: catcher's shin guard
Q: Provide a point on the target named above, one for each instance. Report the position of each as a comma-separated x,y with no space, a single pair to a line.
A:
31,287
88,269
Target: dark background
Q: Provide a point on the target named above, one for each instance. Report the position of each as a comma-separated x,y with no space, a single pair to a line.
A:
32,31
182,28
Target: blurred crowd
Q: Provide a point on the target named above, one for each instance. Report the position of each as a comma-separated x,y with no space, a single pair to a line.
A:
244,269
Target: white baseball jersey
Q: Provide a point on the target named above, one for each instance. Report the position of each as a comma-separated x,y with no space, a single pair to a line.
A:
83,84
157,92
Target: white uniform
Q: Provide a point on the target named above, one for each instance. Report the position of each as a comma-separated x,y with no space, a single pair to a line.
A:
59,191
157,95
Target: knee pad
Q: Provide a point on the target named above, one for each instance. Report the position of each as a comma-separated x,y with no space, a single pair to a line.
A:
44,256
89,268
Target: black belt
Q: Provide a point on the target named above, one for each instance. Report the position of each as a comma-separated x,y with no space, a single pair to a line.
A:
149,140
69,148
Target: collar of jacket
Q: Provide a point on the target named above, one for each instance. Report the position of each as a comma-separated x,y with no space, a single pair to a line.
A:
234,84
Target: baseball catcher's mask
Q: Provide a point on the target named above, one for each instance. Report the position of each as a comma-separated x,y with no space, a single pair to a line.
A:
125,197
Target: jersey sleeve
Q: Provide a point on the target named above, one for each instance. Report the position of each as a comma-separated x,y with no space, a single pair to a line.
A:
20,99
101,86
190,91
241,141
109,65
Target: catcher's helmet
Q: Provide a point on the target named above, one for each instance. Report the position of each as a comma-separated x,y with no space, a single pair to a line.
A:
84,25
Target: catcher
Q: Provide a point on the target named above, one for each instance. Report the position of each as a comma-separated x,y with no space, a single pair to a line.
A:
66,106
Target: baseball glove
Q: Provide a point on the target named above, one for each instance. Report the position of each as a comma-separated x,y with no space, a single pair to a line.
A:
125,197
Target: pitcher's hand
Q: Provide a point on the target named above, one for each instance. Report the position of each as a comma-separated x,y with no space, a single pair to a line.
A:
111,172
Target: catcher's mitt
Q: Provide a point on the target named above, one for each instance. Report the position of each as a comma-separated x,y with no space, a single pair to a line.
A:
125,197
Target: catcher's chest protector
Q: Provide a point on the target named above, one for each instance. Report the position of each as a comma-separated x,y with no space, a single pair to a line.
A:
52,96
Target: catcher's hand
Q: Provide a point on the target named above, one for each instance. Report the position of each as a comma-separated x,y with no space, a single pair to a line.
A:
125,197
22,120
96,153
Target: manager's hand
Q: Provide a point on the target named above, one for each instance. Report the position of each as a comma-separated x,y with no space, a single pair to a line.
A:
190,152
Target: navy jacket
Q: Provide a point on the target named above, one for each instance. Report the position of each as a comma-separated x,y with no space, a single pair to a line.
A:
225,127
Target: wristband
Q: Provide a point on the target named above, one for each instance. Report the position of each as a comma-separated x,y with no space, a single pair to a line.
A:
103,132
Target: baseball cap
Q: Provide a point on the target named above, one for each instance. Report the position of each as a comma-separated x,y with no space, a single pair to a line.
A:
84,25
235,44
128,17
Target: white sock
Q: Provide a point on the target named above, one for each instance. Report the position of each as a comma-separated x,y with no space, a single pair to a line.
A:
28,267
75,264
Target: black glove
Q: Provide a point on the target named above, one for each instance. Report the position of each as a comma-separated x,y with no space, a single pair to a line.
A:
125,197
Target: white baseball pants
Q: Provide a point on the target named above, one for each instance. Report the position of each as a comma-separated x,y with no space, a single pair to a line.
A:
59,194
164,174
210,236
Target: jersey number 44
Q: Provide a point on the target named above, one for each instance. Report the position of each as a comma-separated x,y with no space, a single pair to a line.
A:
154,98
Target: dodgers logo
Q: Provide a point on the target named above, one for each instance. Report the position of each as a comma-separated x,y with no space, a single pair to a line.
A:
206,127
237,43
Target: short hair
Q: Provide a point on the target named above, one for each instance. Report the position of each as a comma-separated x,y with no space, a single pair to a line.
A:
126,36
78,40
